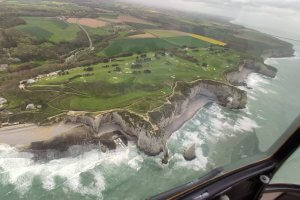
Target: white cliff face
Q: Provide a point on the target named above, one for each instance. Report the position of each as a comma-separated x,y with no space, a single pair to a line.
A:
223,94
150,133
133,125
287,51
249,66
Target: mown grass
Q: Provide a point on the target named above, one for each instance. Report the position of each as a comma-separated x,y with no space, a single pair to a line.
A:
139,92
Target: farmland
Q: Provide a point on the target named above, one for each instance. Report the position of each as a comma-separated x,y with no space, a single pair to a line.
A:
118,47
93,23
207,39
109,56
50,29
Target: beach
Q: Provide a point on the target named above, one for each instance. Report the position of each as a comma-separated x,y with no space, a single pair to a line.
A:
25,134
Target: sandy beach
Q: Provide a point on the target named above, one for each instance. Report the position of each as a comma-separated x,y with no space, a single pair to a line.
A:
24,134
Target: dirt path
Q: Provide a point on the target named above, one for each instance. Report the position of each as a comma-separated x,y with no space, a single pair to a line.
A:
91,48
87,34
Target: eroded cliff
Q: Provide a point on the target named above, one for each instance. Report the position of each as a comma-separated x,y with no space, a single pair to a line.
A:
238,77
150,131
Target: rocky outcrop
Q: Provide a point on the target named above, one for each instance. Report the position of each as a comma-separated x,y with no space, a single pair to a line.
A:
238,77
147,137
184,93
190,153
284,51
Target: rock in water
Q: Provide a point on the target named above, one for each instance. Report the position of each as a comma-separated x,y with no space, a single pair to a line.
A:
165,159
190,153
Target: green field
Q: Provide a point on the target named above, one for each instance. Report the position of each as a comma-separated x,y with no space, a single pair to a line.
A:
118,47
108,89
205,50
186,41
97,31
49,29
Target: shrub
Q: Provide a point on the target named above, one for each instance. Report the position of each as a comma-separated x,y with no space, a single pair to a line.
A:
89,69
117,69
74,77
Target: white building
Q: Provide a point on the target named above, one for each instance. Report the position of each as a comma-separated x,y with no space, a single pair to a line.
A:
30,106
22,87
2,101
30,81
3,67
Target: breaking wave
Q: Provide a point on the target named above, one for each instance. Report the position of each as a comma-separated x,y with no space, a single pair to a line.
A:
19,169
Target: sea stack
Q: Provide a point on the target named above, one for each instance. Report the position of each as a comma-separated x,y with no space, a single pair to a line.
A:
190,153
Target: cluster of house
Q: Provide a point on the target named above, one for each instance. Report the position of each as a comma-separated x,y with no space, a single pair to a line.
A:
161,54
23,83
2,102
8,124
140,60
31,106
3,67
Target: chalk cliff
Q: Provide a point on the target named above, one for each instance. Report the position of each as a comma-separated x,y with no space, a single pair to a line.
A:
149,131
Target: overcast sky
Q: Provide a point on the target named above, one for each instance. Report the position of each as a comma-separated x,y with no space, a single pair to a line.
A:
271,16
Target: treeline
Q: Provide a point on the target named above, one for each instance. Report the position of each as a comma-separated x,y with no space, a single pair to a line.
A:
29,49
9,38
137,32
183,55
10,20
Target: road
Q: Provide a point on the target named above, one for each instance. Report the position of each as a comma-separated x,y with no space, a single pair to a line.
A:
88,36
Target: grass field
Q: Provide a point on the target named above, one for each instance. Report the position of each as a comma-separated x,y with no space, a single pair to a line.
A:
97,31
187,41
118,47
49,29
173,33
135,45
108,89
165,33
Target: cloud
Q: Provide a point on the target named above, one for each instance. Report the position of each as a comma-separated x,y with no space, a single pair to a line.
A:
282,4
271,16
227,7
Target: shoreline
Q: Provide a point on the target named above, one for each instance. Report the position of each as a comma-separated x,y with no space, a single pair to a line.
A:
25,134
151,135
193,107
